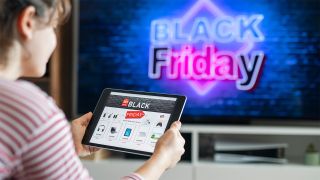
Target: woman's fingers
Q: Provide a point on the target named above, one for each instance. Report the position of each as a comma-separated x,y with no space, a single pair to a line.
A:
86,118
176,125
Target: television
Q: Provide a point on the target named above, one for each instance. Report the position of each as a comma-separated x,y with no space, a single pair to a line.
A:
236,61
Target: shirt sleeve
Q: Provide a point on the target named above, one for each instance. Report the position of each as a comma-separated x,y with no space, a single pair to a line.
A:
50,153
35,137
133,176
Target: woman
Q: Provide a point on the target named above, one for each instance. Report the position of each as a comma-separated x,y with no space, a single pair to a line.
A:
36,141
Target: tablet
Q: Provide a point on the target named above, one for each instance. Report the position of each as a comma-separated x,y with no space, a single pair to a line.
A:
131,121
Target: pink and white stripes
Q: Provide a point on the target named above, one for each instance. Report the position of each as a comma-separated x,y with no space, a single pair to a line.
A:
35,137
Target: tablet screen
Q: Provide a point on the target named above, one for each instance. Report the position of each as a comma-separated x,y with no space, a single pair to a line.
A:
133,121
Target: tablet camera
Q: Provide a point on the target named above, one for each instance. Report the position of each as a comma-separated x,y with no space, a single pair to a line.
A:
113,130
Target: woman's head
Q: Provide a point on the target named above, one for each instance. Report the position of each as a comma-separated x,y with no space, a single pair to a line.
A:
27,37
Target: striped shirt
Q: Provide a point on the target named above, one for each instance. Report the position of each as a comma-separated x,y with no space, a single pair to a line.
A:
35,137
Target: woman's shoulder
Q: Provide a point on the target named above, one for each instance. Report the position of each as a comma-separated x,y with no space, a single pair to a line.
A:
24,99
27,115
20,87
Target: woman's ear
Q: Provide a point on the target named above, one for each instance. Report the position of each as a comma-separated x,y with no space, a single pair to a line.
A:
26,23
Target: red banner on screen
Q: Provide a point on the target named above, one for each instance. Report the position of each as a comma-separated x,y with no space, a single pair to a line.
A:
134,114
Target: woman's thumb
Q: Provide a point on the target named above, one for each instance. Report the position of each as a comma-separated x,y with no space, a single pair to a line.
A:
176,124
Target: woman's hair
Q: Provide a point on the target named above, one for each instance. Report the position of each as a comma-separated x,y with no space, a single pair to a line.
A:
11,9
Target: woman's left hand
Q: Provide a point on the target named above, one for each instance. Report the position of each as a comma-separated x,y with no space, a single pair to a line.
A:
78,128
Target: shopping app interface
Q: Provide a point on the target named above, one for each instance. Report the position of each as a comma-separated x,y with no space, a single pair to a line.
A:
133,121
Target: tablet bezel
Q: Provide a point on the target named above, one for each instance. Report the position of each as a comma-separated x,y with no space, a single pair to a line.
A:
176,115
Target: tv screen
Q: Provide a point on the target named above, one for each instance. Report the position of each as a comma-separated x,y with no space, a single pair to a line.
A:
233,59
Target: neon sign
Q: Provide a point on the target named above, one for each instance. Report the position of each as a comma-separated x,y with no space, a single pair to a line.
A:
195,48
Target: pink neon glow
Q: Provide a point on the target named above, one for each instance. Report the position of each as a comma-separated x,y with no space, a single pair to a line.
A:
198,6
205,64
200,87
204,68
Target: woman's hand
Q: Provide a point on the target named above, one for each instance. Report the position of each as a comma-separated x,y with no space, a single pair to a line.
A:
78,128
168,152
170,147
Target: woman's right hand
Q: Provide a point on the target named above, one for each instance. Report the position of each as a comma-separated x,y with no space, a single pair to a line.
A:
170,147
167,153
